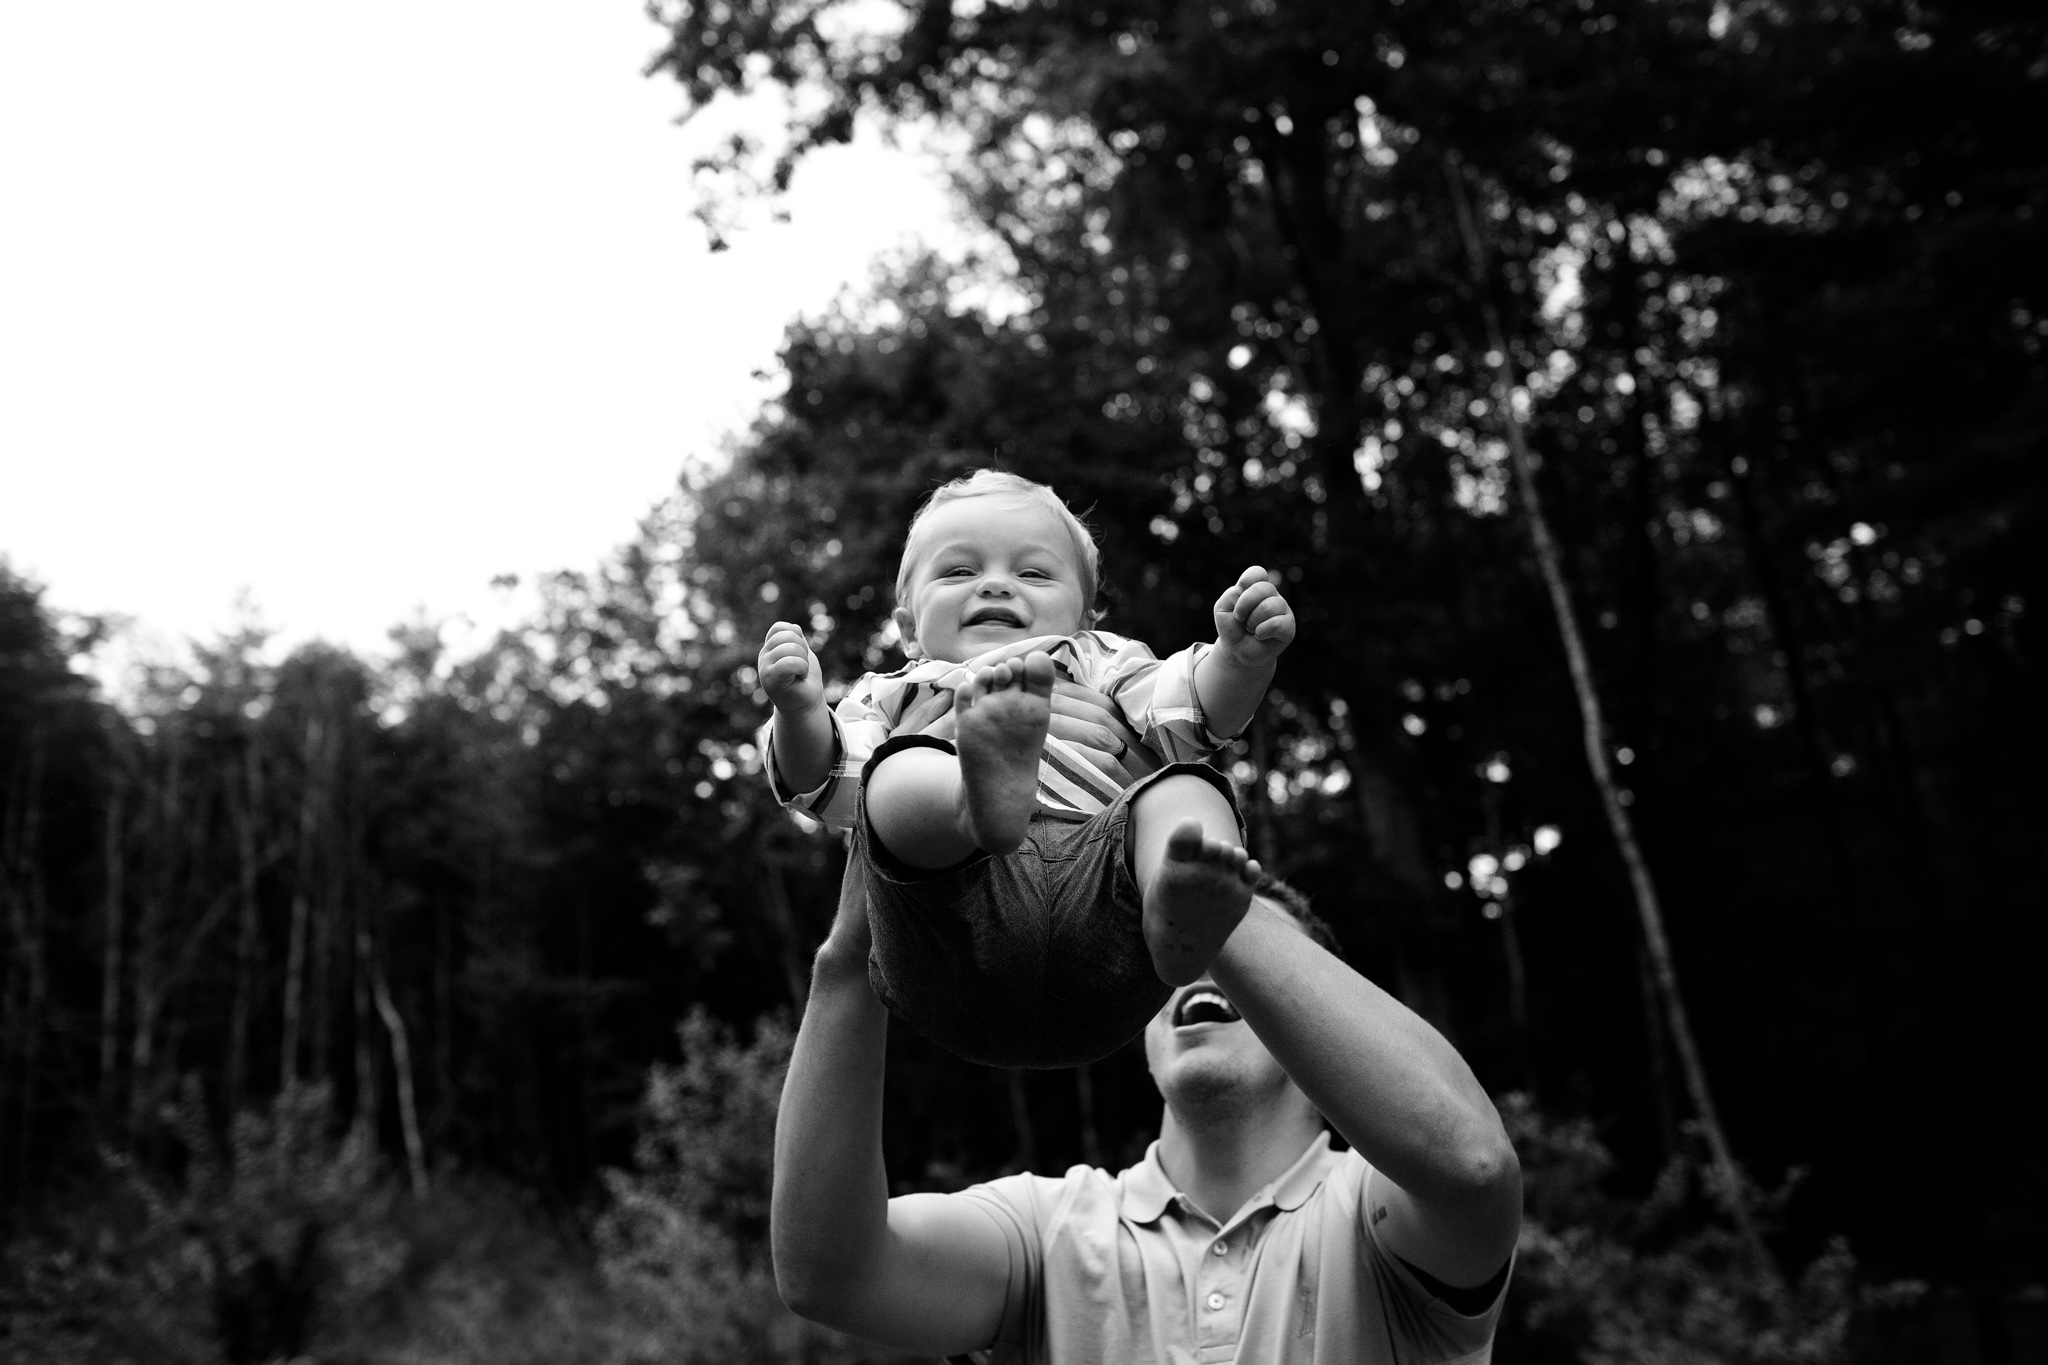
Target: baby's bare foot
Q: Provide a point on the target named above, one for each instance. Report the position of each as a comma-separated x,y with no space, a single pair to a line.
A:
1194,901
1001,714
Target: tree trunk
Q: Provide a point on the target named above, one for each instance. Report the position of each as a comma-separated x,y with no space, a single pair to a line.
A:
112,926
1259,805
1518,984
162,874
244,805
444,1015
1659,1049
325,977
401,1063
1297,173
1091,1132
1020,1121
1393,841
357,897
295,947
795,963
1786,635
21,883
1733,1190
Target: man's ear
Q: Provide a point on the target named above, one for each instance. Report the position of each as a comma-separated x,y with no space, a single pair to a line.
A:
906,626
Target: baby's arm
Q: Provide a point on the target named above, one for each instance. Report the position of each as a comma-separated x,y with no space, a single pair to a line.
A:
1253,625
804,742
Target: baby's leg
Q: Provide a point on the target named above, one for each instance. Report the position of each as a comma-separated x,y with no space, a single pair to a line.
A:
933,810
1195,880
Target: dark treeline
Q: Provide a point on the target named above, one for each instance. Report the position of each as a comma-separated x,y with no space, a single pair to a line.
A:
1768,284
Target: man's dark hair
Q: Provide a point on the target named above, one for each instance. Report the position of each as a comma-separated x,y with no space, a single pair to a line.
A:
1296,904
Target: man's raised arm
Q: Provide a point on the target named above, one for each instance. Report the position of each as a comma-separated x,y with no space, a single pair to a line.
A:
923,1272
1394,1087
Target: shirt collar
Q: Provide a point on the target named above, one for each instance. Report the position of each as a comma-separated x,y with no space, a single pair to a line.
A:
1300,1180
1144,1190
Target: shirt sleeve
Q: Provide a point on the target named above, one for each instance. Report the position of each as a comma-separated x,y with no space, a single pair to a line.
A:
1015,1203
1431,1330
858,728
1157,696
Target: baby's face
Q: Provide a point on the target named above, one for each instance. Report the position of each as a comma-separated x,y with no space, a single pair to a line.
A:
988,571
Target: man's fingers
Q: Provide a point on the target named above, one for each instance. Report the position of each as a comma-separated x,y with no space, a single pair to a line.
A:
1085,704
1102,759
928,711
1079,730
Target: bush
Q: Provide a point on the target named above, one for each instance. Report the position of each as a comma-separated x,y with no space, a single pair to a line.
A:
1604,1280
685,1241
293,1245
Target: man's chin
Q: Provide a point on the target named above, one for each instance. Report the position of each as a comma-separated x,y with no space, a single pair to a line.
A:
1206,1080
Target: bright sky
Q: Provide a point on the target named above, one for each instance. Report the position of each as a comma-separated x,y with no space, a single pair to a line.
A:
358,306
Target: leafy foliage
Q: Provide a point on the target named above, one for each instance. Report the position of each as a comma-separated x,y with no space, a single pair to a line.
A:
687,1231
1605,1280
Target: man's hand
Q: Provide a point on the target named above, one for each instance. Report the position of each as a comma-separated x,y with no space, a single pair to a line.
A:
789,671
1080,715
1253,621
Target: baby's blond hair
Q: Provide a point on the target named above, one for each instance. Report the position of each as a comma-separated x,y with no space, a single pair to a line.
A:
999,482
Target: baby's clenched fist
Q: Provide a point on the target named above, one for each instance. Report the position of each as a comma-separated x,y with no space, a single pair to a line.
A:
789,670
1253,621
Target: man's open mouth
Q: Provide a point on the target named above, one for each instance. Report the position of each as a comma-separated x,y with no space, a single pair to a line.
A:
996,616
1205,1005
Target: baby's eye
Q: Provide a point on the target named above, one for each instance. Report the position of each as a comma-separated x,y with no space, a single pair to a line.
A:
956,571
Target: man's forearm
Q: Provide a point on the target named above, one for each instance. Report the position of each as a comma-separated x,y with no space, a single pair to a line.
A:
830,1206
1391,1084
1228,691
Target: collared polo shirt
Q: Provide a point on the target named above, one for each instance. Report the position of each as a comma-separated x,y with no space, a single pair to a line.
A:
1125,1269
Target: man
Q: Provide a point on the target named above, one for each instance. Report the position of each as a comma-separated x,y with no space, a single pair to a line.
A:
1241,1236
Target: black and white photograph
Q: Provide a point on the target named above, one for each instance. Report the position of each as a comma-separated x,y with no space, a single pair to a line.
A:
1023,682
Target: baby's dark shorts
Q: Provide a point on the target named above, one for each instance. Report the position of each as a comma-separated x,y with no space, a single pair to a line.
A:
1036,958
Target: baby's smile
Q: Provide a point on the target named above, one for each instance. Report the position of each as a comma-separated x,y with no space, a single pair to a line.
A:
991,571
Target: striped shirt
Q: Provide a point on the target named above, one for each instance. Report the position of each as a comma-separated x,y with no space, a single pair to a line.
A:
1156,697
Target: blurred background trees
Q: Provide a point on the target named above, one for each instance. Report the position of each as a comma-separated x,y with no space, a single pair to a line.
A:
1771,287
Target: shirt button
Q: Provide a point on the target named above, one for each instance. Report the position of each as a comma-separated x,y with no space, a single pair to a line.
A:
1215,1301
1221,1248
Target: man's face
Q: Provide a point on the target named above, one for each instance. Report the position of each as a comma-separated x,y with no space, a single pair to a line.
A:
989,571
1204,1058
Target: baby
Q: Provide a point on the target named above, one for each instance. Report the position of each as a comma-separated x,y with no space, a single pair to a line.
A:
1028,908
